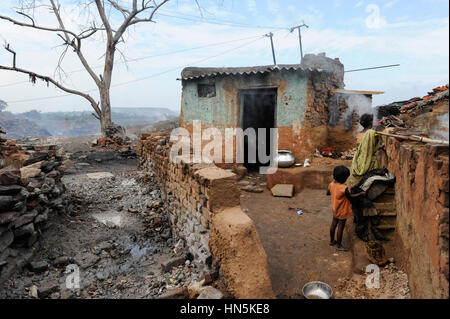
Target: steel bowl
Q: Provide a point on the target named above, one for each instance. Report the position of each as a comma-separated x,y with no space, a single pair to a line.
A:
317,290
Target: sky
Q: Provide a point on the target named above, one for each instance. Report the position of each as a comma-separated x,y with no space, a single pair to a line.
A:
230,33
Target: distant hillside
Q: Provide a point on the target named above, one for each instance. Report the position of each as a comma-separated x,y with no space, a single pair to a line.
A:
21,127
72,124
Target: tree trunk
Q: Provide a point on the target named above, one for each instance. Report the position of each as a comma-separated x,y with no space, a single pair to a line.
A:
108,127
105,117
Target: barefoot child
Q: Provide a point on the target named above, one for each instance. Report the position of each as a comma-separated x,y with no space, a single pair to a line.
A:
340,203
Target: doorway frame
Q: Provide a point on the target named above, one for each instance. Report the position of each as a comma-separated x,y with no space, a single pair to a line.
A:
241,93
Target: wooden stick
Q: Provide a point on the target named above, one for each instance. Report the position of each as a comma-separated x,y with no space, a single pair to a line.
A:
415,138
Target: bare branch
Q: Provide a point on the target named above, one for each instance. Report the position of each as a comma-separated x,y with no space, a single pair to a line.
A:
48,79
35,26
132,18
26,15
91,32
59,70
13,53
124,58
77,46
122,10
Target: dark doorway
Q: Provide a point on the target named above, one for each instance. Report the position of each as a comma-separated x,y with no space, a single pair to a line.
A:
258,112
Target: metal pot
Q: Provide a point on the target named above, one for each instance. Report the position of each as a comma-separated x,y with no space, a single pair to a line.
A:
285,159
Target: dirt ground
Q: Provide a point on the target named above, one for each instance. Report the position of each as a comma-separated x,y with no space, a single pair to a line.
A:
104,233
298,251
393,285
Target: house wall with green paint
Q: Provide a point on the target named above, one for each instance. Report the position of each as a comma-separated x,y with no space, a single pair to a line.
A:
225,108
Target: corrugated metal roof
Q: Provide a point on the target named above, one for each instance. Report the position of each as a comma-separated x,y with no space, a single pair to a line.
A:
191,73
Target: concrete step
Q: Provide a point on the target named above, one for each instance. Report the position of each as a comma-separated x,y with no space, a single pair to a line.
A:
388,213
387,223
385,227
383,206
388,233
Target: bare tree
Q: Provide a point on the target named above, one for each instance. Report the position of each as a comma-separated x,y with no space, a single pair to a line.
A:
134,13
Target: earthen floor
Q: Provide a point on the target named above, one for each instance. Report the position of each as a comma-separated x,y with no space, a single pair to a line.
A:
297,246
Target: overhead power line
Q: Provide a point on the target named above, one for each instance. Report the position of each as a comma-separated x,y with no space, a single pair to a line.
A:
219,22
144,78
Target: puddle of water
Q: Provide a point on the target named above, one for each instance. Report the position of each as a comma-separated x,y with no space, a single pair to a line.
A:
109,219
137,251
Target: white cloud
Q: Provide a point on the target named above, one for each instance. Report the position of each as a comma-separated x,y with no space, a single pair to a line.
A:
358,4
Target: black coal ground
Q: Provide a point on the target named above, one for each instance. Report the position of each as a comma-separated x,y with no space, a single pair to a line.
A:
104,235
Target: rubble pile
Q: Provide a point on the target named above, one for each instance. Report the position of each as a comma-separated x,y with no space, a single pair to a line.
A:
156,221
395,285
29,193
112,143
121,145
412,105
391,121
437,94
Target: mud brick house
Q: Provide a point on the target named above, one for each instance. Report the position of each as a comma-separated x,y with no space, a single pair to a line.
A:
306,102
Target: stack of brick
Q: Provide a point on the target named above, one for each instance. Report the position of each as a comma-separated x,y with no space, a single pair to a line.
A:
194,192
29,193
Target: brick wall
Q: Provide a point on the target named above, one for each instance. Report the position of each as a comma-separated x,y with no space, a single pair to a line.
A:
422,198
202,200
194,192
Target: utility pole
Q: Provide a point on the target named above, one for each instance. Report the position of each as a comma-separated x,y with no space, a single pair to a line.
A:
300,38
270,35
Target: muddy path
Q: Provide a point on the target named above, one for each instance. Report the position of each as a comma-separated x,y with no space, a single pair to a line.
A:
107,235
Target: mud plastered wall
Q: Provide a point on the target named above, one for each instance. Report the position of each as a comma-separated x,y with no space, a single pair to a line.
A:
192,192
203,205
422,200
